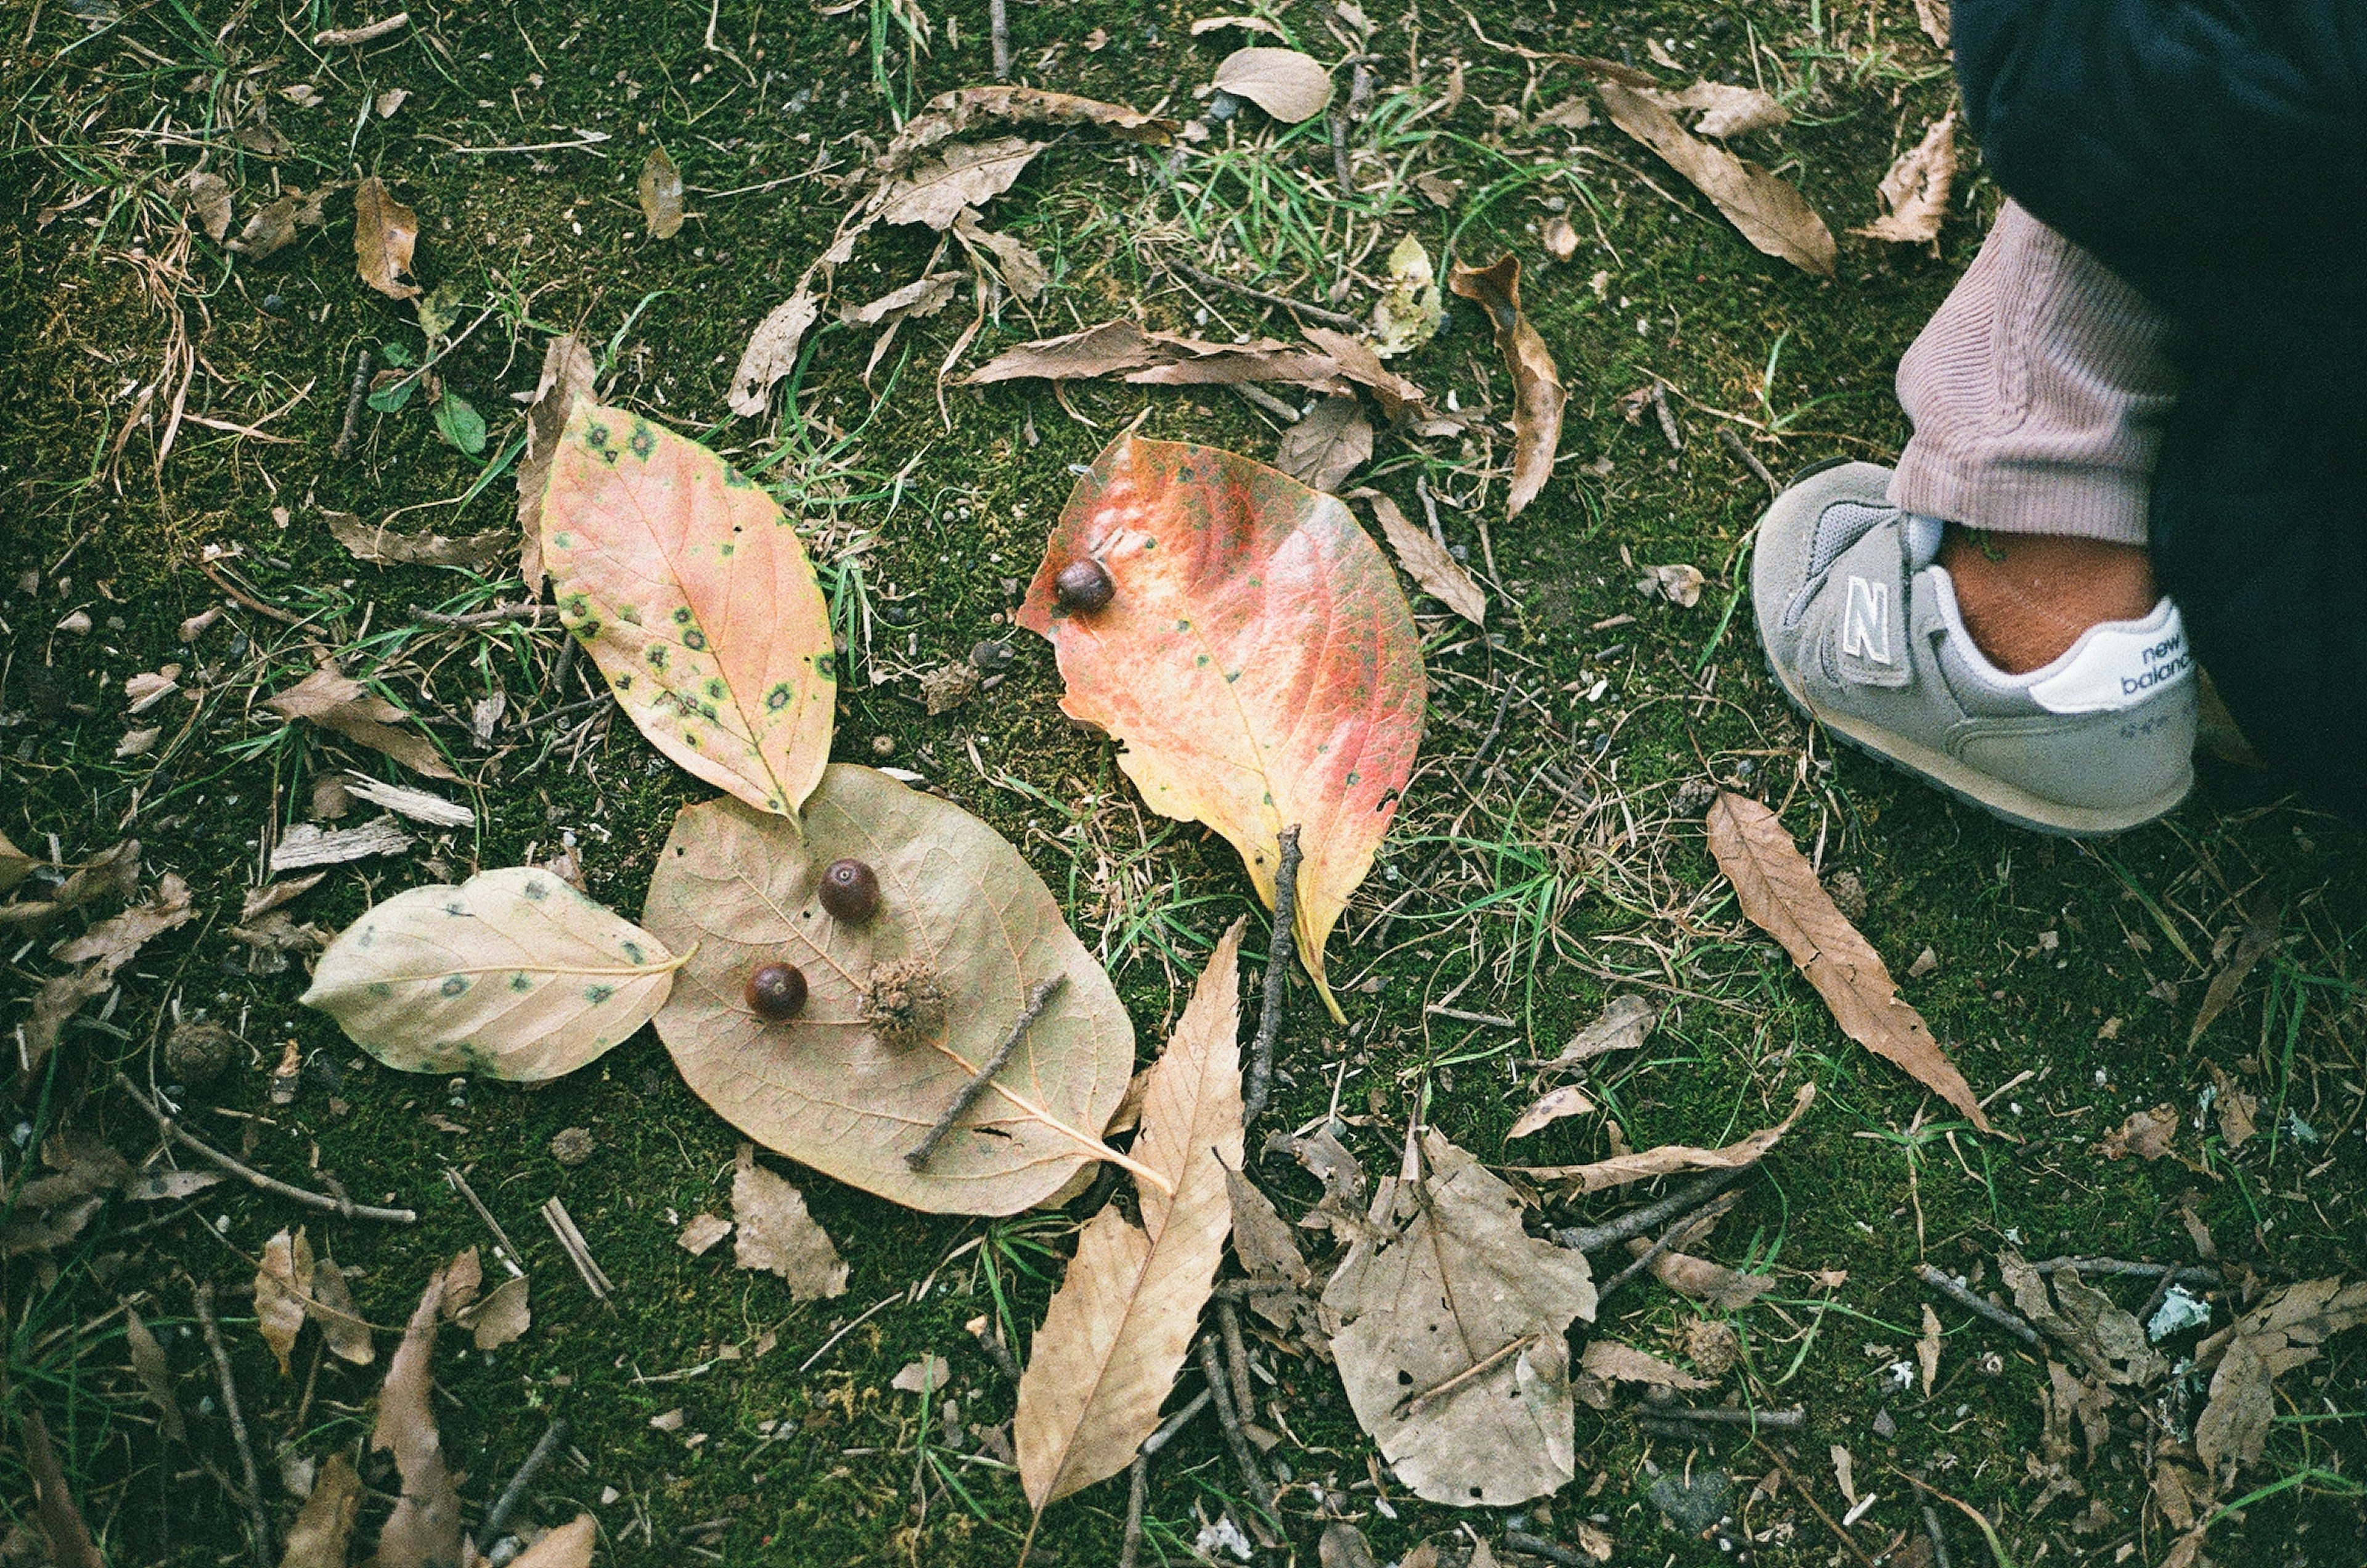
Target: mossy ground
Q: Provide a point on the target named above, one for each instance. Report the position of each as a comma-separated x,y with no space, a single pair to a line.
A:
2083,967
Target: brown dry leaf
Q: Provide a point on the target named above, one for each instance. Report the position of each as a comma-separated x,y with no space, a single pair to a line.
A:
948,115
378,545
1324,1157
2147,1135
568,374
778,1237
1019,265
272,895
1725,110
1427,561
1916,190
14,865
1932,15
1625,1363
1327,444
1668,1158
2258,937
282,1287
660,192
1927,1349
1121,348
100,953
1780,893
702,1232
384,233
1770,215
155,1375
568,1546
2235,1107
1288,85
926,1375
342,1325
206,196
501,1316
2107,1339
272,227
1267,1252
925,296
462,1278
742,887
1680,584
2283,1333
1119,1326
1247,24
1343,1545
1549,1108
1537,395
962,175
772,351
340,704
1450,1338
325,1523
1703,1280
424,1532
1624,1022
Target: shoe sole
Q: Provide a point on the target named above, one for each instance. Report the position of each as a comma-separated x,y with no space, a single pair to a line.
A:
2001,800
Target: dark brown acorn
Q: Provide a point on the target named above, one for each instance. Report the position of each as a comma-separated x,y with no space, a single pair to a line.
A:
1083,586
850,891
776,992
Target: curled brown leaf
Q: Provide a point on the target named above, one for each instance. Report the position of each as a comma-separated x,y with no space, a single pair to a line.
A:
1537,395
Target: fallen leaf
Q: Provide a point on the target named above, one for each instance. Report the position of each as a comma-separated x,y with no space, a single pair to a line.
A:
1343,1546
702,1232
1625,1363
1438,189
1549,1108
378,545
1118,1328
14,865
342,1326
1258,660
2285,1331
1680,585
925,296
567,375
1623,1025
1725,110
145,690
926,1375
206,194
513,975
501,1316
1324,1157
1700,1279
1408,313
690,590
660,192
1932,15
1331,441
309,843
1927,1349
389,102
1401,401
2147,1135
778,1237
2107,1338
98,953
568,1546
1427,561
1537,395
1570,114
2253,944
282,1286
1121,348
1668,1159
1267,1252
1017,263
325,1523
2235,1107
1772,216
1778,893
1916,190
274,226
1288,85
950,115
424,1532
1247,24
772,351
1451,1335
344,706
156,1374
964,174
384,233
1560,238
736,888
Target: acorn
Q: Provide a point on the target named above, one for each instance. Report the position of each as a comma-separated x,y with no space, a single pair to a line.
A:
776,991
1082,587
850,891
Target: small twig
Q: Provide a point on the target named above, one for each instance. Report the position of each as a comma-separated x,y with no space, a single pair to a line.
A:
1491,1019
865,1315
1791,1420
1816,1507
1415,1404
369,32
1250,392
1038,1000
497,615
570,1241
258,1524
1747,457
1177,1422
346,1207
1669,430
1429,508
1244,1451
2010,1322
1242,1290
998,26
981,1329
497,1518
1237,1355
355,394
1636,1221
1137,1475
1551,1550
260,606
1339,154
1259,1082
2108,1268
1346,323
503,1248
1644,1260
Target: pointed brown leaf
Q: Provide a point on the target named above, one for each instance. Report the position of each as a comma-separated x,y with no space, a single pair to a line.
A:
1668,1158
325,1523
1916,190
1537,395
1780,893
778,1236
1328,445
1288,85
950,114
424,1532
345,705
1118,1328
1772,215
1427,561
282,1286
659,189
384,233
961,175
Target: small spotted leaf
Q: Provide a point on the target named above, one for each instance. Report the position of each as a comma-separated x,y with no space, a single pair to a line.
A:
1257,659
513,975
690,590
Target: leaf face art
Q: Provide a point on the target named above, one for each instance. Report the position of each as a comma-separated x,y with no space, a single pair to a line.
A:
958,910
513,974
1256,657
690,590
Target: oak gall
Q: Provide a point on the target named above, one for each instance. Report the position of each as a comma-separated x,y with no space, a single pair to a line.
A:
850,891
776,992
1083,587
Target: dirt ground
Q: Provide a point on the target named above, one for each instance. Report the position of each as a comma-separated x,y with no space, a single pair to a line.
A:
711,1418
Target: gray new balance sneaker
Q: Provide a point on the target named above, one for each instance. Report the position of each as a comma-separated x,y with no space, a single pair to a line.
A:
1863,632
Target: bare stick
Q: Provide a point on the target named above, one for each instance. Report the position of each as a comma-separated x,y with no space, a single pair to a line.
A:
498,615
368,33
259,1527
1278,957
1237,1355
1816,1507
998,25
1244,1451
1636,1221
1791,1420
578,1252
1414,1404
1312,313
355,394
1932,1529
1037,1001
503,1248
2012,1323
497,1518
1747,457
1669,430
1137,1475
2108,1268
1538,1546
256,1178
1644,1260
1339,156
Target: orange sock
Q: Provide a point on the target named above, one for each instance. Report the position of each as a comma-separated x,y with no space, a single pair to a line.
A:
2027,597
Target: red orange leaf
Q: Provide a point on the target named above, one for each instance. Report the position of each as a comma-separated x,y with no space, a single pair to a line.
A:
1256,657
692,592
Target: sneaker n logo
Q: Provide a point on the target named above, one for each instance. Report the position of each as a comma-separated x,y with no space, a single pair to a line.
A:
1865,627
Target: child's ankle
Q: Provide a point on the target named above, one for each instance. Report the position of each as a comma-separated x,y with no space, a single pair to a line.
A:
2026,598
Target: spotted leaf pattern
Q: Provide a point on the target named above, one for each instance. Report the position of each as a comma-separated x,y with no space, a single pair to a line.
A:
1256,657
512,974
689,587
